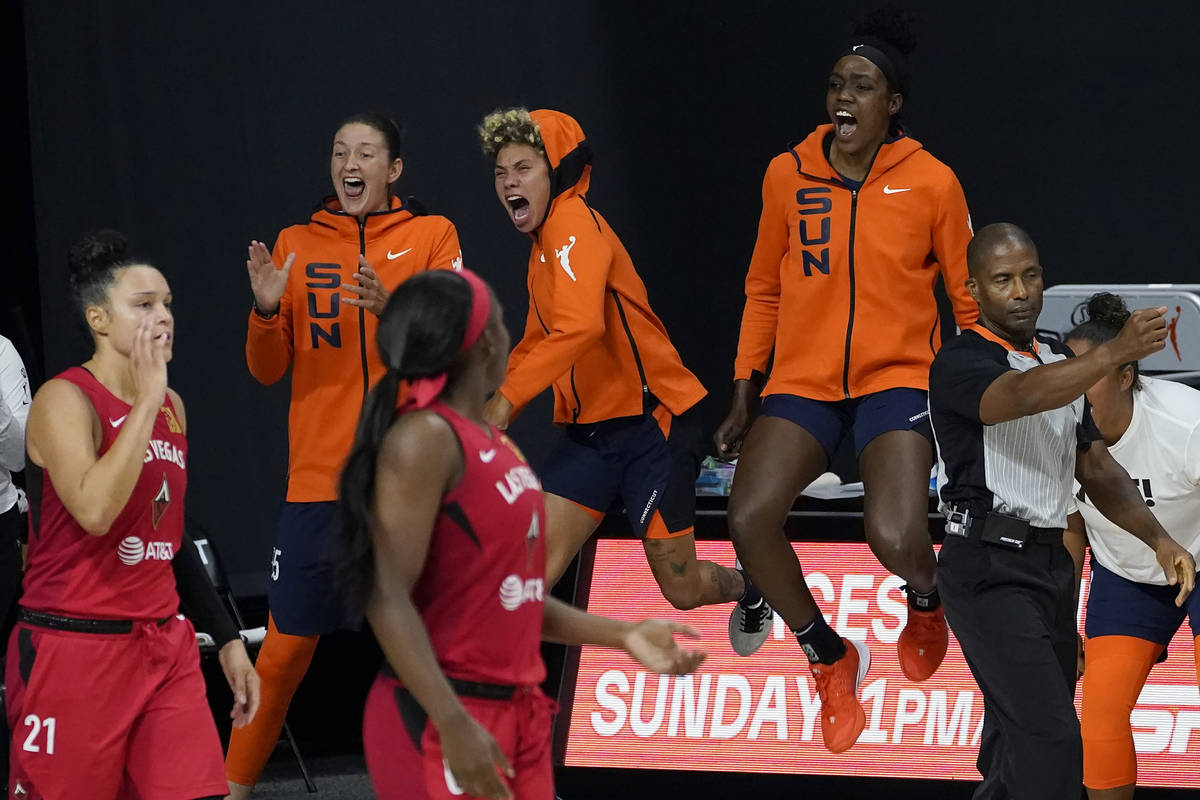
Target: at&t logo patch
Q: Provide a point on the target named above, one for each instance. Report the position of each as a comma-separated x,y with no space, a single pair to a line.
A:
514,592
133,551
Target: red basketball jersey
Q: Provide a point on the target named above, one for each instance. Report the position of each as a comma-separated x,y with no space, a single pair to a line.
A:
481,593
126,573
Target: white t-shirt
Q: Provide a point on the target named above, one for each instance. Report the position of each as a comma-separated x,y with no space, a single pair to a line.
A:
14,410
1161,452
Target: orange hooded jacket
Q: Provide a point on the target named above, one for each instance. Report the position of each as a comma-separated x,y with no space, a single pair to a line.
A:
841,281
330,345
590,332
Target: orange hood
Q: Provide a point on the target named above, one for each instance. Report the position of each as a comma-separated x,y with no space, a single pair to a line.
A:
568,152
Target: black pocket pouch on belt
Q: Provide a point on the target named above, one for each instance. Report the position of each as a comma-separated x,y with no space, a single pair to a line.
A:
1003,530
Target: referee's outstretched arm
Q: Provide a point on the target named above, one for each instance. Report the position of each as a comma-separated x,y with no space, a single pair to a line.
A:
1021,394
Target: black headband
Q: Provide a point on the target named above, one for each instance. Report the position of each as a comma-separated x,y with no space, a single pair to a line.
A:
891,64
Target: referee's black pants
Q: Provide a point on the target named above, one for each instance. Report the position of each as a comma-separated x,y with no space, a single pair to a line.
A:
1013,612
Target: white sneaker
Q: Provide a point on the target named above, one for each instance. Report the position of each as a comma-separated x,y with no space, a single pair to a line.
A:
749,627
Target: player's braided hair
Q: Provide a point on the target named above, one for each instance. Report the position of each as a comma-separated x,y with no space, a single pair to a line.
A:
509,126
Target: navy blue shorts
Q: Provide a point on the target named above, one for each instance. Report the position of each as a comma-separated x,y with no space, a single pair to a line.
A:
1118,606
869,416
628,463
303,591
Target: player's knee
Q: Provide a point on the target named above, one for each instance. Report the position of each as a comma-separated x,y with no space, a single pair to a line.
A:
746,523
1106,718
895,546
1109,758
285,660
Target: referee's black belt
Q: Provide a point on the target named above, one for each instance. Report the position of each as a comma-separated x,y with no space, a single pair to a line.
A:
966,524
57,622
486,691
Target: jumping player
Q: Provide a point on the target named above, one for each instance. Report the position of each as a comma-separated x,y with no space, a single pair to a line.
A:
621,392
103,674
1152,429
858,222
446,554
318,321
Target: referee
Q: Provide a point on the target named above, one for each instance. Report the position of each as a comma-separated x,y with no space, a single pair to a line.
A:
1012,428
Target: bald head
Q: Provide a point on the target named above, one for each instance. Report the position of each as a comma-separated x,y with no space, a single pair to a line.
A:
992,238
1006,281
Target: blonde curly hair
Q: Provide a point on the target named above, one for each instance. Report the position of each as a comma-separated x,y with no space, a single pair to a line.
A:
509,126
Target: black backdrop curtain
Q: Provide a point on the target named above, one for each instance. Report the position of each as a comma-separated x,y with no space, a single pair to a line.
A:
196,127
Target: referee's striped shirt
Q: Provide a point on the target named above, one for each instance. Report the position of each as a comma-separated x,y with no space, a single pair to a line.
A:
1023,467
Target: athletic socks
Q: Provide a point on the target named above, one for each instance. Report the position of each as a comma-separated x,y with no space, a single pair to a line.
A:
820,642
923,601
751,597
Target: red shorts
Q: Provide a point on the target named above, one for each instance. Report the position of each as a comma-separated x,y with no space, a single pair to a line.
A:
103,716
404,755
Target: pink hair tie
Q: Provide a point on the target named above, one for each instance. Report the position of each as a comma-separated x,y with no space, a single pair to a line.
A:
423,391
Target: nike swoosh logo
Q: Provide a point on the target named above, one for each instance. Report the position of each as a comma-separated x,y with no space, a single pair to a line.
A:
486,456
116,423
393,256
890,190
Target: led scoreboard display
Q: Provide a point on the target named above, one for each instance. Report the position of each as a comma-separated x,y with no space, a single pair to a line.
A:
762,713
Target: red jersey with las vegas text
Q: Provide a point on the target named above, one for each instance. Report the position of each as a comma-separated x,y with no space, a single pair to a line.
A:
126,573
481,592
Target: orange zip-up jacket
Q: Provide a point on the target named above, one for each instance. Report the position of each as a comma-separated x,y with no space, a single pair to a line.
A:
590,332
330,345
841,281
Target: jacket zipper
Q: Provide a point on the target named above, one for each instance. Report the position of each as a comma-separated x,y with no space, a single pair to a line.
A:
362,320
850,317
542,322
853,217
637,358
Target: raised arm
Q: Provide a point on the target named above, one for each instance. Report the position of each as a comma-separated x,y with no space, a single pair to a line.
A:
269,327
1021,394
62,439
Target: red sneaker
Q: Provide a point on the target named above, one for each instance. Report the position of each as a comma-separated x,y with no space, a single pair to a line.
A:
922,644
842,716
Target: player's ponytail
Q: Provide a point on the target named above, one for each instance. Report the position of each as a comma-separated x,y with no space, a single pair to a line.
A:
420,335
1106,315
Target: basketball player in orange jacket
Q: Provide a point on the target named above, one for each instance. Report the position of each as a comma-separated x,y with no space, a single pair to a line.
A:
316,307
621,392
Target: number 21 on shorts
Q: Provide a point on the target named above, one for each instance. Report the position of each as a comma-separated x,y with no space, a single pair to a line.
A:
36,726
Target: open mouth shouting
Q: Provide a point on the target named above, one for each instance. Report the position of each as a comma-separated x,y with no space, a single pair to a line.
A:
845,124
519,209
354,187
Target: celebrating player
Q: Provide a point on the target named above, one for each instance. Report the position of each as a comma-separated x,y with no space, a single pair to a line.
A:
446,553
103,674
318,320
858,222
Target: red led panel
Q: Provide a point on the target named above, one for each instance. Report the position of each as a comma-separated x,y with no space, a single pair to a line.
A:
760,714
